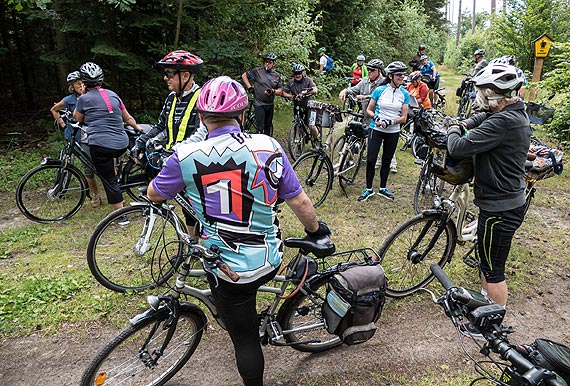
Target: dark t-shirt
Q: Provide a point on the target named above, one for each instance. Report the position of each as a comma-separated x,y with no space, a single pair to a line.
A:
264,80
294,87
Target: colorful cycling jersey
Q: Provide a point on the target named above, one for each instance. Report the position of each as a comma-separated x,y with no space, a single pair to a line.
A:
233,181
420,91
428,68
389,102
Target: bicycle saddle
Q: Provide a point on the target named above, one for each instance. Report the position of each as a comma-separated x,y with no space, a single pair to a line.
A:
320,246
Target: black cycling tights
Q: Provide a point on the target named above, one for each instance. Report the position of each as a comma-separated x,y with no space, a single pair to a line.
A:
236,305
389,143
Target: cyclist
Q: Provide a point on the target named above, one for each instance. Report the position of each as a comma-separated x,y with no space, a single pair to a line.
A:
358,70
510,59
178,119
415,61
418,89
267,85
105,114
427,68
76,87
234,181
480,61
498,143
389,108
300,88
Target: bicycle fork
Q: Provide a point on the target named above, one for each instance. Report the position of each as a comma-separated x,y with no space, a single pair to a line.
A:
143,244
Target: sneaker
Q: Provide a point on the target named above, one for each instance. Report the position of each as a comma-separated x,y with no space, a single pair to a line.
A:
378,163
471,331
365,194
386,193
123,220
393,169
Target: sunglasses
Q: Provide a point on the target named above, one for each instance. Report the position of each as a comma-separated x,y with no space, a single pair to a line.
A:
170,73
298,73
269,61
371,69
402,75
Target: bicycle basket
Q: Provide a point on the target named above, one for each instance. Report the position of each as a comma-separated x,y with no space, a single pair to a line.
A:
552,356
358,129
538,113
322,114
547,162
450,170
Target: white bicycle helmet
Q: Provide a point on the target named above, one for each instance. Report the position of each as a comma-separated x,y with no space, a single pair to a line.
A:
72,77
501,78
360,58
91,74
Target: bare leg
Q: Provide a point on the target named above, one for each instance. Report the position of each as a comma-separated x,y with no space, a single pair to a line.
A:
498,292
92,183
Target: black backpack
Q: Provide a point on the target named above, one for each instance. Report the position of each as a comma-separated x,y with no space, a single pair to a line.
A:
355,298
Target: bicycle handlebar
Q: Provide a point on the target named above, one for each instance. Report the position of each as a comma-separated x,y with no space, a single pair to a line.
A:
442,277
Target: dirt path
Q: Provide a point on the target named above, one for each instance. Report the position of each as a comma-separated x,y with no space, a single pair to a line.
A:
412,336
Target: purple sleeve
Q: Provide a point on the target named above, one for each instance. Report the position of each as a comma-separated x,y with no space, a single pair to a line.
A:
290,185
169,181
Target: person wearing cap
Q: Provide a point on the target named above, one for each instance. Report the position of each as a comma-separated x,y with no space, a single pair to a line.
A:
415,61
322,52
358,70
76,87
266,85
234,181
300,88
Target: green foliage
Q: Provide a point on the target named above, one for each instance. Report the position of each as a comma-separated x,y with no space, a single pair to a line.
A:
461,57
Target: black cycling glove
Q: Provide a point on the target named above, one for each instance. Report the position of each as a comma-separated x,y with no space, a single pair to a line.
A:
323,230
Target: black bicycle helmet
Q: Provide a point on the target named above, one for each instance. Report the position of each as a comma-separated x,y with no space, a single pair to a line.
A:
479,52
91,74
270,56
182,61
375,64
396,67
72,77
298,67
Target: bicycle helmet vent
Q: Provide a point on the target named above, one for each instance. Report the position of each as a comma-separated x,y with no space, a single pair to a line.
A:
506,59
395,68
423,57
72,77
182,61
91,74
298,67
270,56
375,63
222,96
360,58
501,78
479,52
414,75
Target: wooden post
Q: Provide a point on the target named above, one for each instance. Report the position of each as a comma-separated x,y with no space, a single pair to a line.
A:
536,73
541,46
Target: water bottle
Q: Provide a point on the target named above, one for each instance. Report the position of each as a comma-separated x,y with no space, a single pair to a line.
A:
355,148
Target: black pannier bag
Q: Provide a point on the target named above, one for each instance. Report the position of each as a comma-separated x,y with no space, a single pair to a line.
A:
355,298
552,356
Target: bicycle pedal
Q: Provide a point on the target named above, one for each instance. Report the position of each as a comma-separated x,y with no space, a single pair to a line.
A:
471,262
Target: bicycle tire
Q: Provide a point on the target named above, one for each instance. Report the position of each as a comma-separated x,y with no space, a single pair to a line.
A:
315,172
134,177
407,268
427,187
349,165
296,140
50,193
529,192
304,309
120,362
121,261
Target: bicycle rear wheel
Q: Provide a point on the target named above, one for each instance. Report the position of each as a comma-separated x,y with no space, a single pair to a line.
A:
296,140
303,312
427,188
134,177
144,253
349,163
50,193
131,357
406,254
315,172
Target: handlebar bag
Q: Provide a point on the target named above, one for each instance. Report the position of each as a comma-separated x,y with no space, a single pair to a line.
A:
552,356
355,297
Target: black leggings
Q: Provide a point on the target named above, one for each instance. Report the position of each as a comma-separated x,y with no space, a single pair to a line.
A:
389,143
236,306
264,119
104,160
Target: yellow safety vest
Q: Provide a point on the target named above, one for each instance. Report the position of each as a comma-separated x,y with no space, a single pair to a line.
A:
183,125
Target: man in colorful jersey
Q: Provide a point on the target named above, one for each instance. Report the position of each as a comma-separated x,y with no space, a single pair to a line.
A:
234,180
178,119
268,84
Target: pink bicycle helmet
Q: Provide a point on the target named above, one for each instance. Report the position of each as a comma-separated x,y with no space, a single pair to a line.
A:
222,96
414,75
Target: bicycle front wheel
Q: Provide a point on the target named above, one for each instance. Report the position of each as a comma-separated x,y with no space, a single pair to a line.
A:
301,319
50,193
296,140
133,177
144,253
349,163
315,172
408,252
427,188
131,358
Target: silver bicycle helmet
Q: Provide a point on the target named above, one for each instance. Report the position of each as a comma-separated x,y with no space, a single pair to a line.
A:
91,74
479,52
360,58
375,64
395,68
298,67
501,78
270,56
72,77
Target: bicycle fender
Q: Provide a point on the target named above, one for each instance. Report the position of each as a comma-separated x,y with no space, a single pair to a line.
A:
57,162
184,307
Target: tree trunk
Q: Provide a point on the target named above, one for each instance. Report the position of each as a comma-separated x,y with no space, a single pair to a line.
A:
493,6
60,46
473,19
22,59
458,25
179,15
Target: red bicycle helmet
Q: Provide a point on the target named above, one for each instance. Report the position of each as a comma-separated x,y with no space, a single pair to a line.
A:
414,75
222,96
182,61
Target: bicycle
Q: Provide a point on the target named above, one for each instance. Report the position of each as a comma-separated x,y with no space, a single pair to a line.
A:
56,189
440,104
466,95
523,365
299,132
315,167
159,341
250,124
